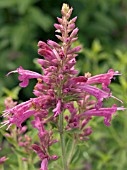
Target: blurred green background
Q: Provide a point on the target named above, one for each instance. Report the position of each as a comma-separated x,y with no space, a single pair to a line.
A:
103,34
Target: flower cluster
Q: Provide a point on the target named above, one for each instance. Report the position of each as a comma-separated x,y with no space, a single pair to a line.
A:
58,89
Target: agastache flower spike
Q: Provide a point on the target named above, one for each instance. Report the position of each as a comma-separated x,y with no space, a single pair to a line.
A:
59,89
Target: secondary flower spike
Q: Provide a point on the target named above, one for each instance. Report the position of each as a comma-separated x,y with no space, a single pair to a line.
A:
59,89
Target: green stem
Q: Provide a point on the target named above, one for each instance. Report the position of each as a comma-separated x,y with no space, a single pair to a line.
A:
62,140
72,151
31,165
19,162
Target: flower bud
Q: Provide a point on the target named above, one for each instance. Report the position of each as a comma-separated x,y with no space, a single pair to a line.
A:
59,20
74,32
53,44
65,9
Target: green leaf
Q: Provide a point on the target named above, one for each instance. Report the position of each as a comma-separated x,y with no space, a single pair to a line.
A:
4,31
37,64
41,19
9,139
13,93
4,43
19,34
12,167
105,21
24,5
96,46
19,152
7,3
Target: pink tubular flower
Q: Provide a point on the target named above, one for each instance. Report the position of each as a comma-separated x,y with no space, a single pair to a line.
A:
57,110
18,114
104,112
104,79
25,75
96,92
18,108
44,164
20,118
